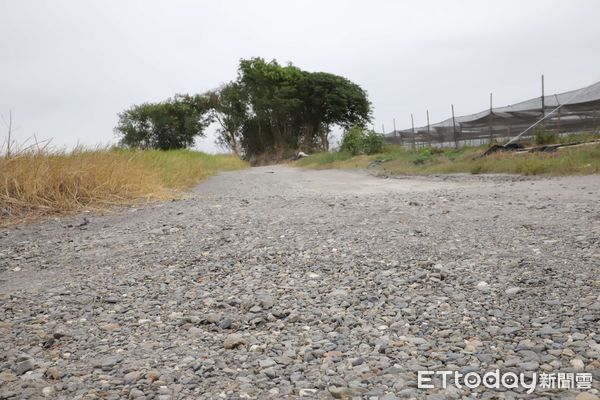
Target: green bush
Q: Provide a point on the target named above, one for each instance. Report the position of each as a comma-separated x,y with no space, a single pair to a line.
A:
543,136
476,169
357,140
373,143
353,141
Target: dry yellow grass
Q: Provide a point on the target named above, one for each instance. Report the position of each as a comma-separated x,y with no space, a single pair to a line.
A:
35,183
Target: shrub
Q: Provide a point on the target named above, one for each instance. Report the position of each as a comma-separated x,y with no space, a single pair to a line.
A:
373,142
543,136
353,140
476,169
357,140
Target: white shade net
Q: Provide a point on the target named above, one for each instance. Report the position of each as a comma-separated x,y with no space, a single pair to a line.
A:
578,111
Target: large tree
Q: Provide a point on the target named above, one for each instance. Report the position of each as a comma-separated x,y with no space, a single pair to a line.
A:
171,124
331,100
275,109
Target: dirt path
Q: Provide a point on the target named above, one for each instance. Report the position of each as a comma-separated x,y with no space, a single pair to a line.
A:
277,282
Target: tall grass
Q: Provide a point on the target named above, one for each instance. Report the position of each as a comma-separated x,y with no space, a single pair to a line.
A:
34,183
399,160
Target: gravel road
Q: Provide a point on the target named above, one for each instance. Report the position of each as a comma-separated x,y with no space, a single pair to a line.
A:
277,282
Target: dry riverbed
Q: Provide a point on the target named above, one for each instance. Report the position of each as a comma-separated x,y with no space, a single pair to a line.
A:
276,282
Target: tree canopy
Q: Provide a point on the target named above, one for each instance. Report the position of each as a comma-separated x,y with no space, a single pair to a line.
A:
288,108
268,109
171,124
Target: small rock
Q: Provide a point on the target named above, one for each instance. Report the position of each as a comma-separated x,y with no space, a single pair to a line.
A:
483,286
307,392
270,372
136,393
255,309
195,331
361,369
356,361
52,373
24,366
547,330
225,323
60,334
7,376
107,363
512,291
234,340
132,377
267,301
48,391
340,392
110,300
577,364
266,363
213,318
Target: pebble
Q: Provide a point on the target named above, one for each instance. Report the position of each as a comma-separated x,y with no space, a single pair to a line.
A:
577,364
24,366
340,392
132,377
234,340
512,291
483,286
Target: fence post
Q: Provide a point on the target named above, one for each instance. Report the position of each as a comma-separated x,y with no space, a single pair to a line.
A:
412,123
557,115
543,104
454,128
491,119
428,129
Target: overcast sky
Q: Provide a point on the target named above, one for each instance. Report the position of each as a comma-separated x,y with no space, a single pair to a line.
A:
68,67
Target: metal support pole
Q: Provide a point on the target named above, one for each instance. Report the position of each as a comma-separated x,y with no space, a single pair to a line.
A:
491,118
428,129
543,102
412,123
558,116
454,128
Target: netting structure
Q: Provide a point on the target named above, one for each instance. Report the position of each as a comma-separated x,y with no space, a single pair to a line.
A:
573,111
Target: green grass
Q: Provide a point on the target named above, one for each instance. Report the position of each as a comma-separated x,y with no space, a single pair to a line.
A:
181,169
426,161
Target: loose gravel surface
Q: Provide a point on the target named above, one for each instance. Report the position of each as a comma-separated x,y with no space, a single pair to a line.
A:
278,283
